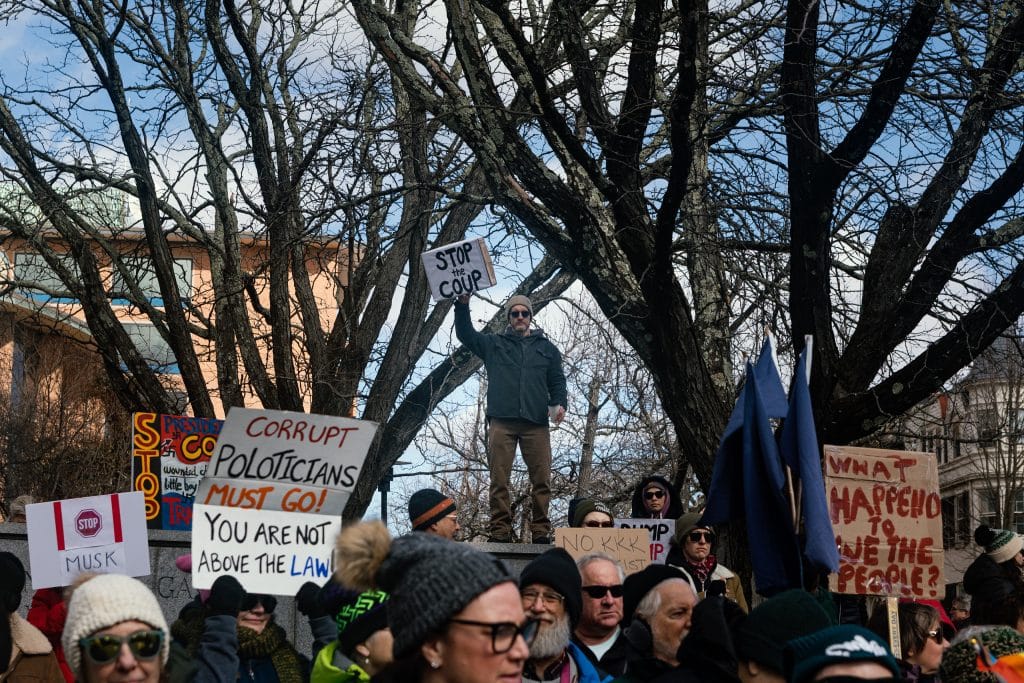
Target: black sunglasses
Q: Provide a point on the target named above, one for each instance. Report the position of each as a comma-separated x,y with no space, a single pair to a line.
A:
698,536
519,314
250,601
595,524
598,592
504,633
104,649
654,493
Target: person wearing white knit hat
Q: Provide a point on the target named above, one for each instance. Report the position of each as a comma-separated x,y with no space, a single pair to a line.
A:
115,630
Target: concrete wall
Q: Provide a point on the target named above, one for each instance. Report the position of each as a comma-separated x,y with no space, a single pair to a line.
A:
174,588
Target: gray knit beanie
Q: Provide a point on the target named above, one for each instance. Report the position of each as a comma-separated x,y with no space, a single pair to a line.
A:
430,579
518,300
102,602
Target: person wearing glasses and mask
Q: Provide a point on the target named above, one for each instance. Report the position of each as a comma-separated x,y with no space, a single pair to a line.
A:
923,640
115,631
690,550
654,498
598,632
525,390
455,613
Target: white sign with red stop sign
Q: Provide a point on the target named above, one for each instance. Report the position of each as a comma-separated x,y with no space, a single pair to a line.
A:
100,534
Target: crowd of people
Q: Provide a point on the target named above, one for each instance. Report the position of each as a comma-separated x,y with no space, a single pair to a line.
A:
425,607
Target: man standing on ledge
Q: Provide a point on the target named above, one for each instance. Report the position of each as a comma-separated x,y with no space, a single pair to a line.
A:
525,387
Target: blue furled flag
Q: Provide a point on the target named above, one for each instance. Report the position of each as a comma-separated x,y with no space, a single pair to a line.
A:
798,445
774,552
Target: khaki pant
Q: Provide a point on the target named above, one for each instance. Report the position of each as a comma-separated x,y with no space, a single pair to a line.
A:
535,443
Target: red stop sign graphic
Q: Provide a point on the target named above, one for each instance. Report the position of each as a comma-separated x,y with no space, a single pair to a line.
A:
88,522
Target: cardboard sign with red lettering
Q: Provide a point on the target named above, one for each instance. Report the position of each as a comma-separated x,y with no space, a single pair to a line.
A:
278,460
631,547
169,458
100,534
458,268
887,515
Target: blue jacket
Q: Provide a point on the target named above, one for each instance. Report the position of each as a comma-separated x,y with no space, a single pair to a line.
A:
524,374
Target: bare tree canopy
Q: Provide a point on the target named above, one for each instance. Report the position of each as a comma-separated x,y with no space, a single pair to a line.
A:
850,171
275,152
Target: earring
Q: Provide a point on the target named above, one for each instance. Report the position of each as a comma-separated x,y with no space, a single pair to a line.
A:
435,665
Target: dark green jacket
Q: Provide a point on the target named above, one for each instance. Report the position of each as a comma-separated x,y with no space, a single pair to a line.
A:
524,374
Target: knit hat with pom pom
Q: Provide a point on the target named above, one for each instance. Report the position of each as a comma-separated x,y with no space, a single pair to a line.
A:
430,579
1000,544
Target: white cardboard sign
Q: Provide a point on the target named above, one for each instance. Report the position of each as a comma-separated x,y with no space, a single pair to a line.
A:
661,533
268,551
100,534
458,268
274,459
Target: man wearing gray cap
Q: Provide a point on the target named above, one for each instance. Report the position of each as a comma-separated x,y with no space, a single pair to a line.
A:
525,388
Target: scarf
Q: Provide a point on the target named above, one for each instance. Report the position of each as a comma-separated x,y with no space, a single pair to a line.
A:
702,570
272,643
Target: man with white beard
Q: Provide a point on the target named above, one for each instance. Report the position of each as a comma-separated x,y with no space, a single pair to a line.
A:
552,593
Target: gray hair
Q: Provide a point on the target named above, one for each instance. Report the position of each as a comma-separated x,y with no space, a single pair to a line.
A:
583,561
651,602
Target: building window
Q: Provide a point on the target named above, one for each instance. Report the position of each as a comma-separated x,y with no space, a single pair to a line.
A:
153,348
988,427
1018,512
40,282
956,520
142,272
988,509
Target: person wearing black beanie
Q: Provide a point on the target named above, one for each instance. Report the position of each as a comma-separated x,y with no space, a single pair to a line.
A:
433,512
552,593
25,653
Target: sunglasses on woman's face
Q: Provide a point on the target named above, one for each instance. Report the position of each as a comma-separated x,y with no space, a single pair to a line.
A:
104,649
654,493
597,523
250,601
701,536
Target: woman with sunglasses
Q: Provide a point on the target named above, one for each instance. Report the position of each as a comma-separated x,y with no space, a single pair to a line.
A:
589,513
455,613
264,653
923,639
655,498
115,632
690,550
25,652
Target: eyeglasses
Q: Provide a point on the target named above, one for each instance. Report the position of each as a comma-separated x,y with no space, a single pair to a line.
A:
598,592
596,524
549,599
654,493
701,536
104,649
250,601
519,314
503,633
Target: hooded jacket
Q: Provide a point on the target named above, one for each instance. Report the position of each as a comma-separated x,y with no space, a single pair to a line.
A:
32,657
524,374
674,509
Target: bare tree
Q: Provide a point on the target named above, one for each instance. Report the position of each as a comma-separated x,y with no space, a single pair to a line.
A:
849,172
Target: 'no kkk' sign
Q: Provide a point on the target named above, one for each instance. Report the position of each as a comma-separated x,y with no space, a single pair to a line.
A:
102,534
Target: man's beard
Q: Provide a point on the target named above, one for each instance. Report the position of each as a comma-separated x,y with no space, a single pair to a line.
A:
551,639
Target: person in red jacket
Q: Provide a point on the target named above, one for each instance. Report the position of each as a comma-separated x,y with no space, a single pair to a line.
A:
48,612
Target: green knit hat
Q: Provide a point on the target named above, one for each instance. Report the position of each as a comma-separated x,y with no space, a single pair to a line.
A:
960,661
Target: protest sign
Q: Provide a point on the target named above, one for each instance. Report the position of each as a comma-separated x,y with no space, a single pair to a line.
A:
631,547
661,533
277,460
887,515
458,268
268,551
100,534
169,457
